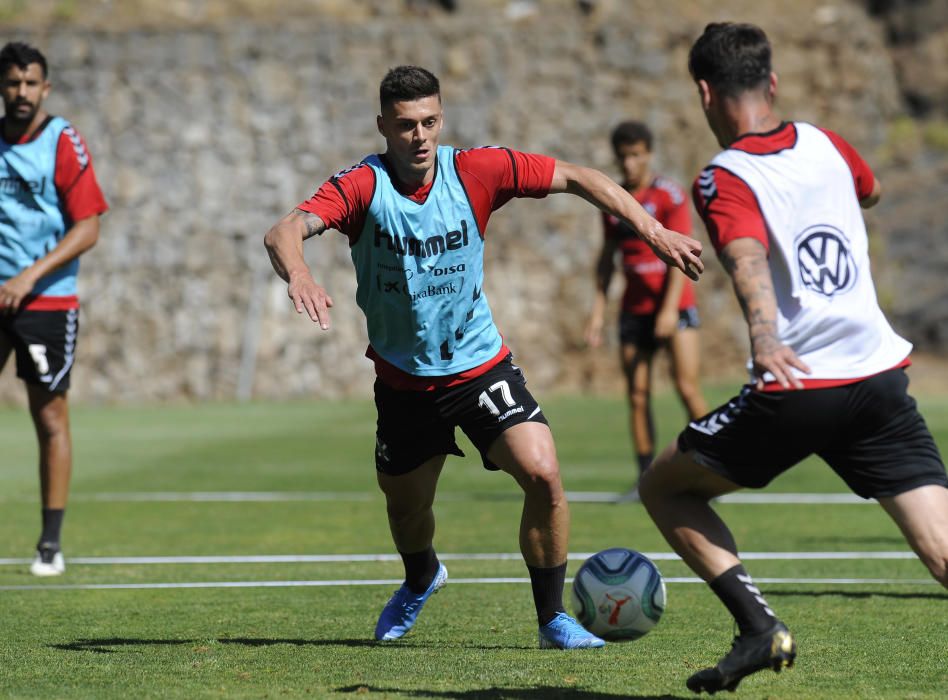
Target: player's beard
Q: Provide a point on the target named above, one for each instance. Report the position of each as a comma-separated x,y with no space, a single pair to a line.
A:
16,115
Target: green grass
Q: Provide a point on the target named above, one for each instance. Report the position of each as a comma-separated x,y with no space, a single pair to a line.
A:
475,640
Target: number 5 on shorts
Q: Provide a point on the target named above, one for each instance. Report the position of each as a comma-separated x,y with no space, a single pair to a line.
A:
38,353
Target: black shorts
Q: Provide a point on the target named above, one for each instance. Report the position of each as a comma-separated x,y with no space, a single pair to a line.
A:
414,426
639,329
870,432
45,345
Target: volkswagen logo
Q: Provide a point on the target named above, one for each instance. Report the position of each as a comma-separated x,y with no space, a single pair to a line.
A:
825,262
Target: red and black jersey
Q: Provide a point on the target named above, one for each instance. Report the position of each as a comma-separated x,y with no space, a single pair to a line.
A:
646,276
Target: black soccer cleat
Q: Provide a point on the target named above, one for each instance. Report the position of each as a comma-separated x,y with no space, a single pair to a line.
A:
774,649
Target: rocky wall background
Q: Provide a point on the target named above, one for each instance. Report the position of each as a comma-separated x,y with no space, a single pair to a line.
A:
209,120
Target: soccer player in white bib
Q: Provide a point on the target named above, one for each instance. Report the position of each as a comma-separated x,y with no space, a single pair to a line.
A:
781,204
416,218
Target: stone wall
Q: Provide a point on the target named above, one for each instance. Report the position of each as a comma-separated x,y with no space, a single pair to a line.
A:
206,128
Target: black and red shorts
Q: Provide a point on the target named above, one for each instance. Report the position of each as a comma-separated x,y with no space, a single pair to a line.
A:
870,433
44,343
414,426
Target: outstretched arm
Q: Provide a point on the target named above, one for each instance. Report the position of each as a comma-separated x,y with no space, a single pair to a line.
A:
284,243
745,260
601,191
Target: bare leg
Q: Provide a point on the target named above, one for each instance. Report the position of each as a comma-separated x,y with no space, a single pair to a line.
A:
50,413
922,515
685,355
637,367
526,452
676,492
409,498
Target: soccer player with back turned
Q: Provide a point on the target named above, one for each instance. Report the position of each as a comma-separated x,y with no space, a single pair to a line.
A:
781,204
415,217
50,205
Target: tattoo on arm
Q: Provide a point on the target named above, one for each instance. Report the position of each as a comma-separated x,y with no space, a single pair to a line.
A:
314,225
754,288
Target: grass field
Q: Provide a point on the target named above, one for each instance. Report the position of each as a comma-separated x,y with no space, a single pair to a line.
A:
233,486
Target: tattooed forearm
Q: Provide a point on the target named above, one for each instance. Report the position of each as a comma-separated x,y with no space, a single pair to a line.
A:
746,262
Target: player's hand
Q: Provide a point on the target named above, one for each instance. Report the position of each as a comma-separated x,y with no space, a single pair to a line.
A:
677,250
309,297
14,291
769,355
593,332
666,323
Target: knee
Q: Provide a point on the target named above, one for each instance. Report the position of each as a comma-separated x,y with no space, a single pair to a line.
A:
50,423
541,476
639,399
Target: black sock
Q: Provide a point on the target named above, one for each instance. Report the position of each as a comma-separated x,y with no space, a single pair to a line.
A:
420,569
52,525
742,598
645,461
548,591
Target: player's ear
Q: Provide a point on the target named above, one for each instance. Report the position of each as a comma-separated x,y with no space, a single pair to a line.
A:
378,124
704,92
772,87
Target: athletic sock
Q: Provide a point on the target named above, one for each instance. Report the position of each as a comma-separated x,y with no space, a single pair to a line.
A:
645,461
52,526
420,569
548,591
743,599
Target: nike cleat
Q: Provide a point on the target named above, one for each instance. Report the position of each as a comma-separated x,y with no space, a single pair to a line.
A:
400,612
563,632
774,649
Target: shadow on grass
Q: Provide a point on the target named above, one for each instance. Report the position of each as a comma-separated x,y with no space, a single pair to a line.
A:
102,646
107,645
539,692
859,594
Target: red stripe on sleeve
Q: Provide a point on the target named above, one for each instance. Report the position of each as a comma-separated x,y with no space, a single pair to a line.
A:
493,176
342,202
75,179
728,208
863,177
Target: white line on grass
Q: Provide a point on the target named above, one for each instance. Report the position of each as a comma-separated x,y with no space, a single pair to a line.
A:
361,496
396,582
474,556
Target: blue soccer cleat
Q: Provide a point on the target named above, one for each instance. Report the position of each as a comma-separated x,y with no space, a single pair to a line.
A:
400,612
563,632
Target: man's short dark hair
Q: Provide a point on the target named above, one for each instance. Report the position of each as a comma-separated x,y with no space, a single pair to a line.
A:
628,133
18,54
732,58
405,83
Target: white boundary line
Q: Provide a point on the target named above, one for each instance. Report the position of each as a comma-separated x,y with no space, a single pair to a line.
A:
483,556
396,582
746,498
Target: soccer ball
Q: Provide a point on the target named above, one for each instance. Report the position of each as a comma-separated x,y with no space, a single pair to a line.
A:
618,594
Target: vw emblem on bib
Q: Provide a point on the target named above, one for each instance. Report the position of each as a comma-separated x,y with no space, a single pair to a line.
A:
826,265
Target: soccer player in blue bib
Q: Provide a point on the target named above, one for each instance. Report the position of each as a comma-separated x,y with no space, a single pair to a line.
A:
415,217
50,205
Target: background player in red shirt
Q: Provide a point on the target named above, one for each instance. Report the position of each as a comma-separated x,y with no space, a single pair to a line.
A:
658,305
782,206
46,223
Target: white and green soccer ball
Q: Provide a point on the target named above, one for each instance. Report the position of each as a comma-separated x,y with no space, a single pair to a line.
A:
618,594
